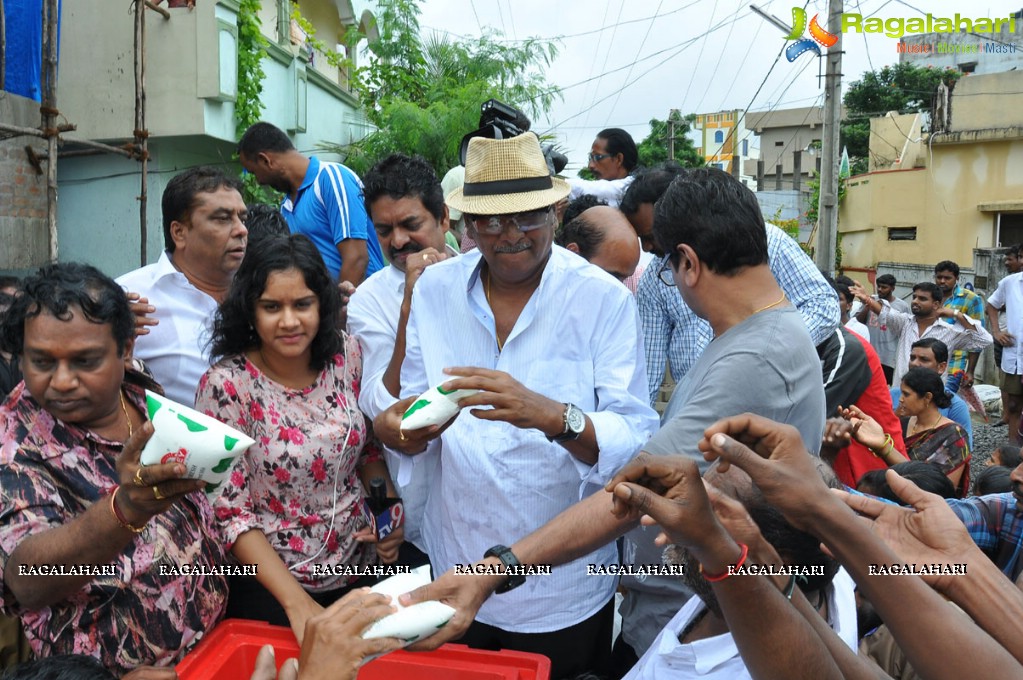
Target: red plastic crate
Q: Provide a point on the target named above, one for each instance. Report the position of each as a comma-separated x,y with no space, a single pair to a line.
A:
229,653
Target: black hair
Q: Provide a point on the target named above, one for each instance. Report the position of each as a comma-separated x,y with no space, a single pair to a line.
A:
234,328
59,667
939,348
886,280
923,380
717,216
56,288
15,282
947,266
580,205
400,176
993,479
1015,249
261,137
1010,456
933,289
6,299
620,142
582,232
648,186
264,221
844,291
844,280
927,476
179,196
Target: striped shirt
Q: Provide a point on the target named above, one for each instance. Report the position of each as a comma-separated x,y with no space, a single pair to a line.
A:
329,209
995,523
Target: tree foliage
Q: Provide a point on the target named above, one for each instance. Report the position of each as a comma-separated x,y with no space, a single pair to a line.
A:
904,87
653,150
423,95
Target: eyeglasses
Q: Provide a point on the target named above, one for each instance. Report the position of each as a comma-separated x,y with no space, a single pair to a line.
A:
665,273
492,225
597,157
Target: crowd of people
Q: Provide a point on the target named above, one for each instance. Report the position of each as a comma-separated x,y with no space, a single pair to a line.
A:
803,405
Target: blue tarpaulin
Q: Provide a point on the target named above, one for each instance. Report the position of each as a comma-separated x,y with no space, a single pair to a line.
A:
23,28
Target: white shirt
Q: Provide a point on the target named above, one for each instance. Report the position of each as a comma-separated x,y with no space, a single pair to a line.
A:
1009,294
576,340
858,328
954,335
177,349
610,190
373,313
717,657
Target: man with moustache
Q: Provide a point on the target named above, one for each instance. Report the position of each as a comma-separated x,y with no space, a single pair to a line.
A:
552,344
406,206
204,239
321,200
961,363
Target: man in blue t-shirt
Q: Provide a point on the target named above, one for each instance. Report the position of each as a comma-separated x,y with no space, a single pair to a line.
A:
323,200
933,354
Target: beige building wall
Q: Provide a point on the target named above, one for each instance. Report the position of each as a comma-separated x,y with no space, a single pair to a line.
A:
950,189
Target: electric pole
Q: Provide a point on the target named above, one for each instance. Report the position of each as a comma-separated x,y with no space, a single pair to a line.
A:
827,213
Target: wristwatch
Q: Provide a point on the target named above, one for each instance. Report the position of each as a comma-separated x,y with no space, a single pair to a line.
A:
511,565
575,423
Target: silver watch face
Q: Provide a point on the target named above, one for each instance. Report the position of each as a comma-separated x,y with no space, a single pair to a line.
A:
575,419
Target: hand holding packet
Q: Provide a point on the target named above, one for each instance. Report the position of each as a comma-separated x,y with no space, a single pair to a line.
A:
409,623
205,446
435,406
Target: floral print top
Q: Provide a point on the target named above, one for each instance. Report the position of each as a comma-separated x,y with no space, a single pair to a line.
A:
309,445
50,473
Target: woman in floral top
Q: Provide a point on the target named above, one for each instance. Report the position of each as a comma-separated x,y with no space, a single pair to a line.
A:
287,377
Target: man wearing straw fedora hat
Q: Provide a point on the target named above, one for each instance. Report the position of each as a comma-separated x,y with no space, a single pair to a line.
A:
552,344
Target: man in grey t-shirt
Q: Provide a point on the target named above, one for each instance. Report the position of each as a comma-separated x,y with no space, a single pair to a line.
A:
761,360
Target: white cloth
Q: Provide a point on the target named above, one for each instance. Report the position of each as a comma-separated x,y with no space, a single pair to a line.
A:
373,313
1009,295
954,335
717,657
576,340
177,349
610,190
858,328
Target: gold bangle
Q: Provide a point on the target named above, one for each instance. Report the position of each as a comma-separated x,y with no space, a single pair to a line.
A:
121,519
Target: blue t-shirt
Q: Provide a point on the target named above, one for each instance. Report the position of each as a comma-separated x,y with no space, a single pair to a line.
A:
329,209
958,412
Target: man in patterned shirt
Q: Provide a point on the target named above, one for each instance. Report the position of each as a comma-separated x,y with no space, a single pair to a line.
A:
98,555
962,363
995,523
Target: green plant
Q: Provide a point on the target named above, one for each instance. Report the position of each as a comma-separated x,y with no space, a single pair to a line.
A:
248,105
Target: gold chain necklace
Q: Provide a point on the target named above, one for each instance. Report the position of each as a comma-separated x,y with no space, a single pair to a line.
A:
486,291
773,304
127,418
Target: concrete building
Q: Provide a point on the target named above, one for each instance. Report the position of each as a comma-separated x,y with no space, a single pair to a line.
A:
940,196
723,141
977,53
191,85
782,133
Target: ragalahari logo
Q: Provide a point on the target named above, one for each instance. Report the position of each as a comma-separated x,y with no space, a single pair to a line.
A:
819,35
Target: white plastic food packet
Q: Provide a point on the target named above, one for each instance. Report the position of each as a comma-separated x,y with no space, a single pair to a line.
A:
435,406
205,446
409,623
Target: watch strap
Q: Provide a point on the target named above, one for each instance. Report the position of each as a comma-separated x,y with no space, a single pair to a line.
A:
511,564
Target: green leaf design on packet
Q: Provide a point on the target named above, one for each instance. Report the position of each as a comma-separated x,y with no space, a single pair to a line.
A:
224,465
210,487
444,391
191,424
229,442
415,407
152,405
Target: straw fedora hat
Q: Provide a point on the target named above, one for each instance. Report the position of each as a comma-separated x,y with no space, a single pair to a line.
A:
505,176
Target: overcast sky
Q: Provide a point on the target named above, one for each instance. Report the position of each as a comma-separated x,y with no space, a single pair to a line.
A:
699,56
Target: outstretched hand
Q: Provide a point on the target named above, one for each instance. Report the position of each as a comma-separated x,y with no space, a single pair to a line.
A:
927,533
774,456
465,593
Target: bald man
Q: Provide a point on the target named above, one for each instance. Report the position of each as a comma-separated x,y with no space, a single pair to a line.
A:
603,236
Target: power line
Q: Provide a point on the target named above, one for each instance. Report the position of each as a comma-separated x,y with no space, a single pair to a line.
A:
717,65
699,55
593,64
760,25
642,44
607,55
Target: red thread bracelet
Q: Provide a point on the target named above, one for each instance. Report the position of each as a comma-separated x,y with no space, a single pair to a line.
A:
728,571
121,519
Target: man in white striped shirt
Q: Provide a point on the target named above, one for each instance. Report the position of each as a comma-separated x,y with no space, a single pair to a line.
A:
554,346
